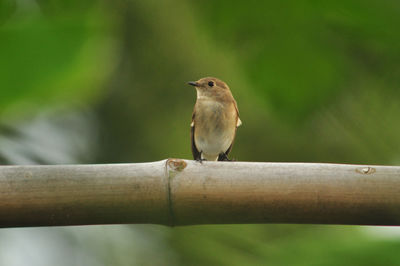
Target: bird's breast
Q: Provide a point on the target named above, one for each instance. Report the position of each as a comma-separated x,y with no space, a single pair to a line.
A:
215,126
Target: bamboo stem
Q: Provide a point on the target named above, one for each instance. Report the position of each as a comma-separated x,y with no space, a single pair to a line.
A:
182,192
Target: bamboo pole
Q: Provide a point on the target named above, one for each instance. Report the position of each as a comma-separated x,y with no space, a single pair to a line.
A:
182,192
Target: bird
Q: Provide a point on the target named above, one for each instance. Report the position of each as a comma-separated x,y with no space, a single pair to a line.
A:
215,119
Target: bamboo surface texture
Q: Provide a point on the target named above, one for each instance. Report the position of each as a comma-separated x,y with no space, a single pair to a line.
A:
183,192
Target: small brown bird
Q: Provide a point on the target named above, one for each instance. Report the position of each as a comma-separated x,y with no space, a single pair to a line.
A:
214,121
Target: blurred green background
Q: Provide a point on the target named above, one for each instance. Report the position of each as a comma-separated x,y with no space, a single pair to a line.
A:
105,81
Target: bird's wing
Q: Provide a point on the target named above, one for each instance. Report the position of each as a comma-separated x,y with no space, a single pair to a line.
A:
238,123
195,152
230,147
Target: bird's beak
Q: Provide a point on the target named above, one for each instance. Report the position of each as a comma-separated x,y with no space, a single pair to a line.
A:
193,83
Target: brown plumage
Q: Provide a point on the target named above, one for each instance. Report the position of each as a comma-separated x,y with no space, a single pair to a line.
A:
214,121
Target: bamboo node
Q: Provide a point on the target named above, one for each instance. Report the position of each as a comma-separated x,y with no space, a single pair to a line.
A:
177,164
366,170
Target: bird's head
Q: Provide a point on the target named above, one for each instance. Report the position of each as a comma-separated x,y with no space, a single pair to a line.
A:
210,87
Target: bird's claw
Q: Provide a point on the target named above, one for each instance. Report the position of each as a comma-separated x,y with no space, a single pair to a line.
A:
200,160
223,157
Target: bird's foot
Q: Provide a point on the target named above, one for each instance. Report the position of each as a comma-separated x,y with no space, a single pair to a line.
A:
223,157
200,160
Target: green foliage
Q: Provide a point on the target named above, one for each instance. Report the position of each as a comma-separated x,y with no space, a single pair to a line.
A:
281,245
314,81
53,59
7,8
300,55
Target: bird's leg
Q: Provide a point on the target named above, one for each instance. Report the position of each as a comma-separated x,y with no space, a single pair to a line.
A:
200,158
223,157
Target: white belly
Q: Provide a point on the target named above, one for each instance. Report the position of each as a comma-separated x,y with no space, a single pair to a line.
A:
215,128
214,143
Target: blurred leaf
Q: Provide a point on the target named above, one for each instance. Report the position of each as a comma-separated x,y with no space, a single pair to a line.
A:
7,8
300,55
54,60
71,7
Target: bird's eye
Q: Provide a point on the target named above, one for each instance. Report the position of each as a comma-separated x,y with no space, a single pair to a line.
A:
211,83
